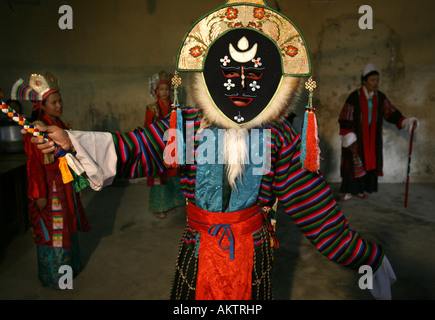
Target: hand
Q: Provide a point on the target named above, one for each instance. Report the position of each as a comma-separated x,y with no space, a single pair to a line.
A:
41,203
56,134
348,139
408,123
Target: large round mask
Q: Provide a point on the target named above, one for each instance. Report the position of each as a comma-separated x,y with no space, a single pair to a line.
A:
242,72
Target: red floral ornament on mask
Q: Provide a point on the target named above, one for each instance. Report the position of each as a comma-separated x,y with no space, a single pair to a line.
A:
259,13
232,13
196,51
291,51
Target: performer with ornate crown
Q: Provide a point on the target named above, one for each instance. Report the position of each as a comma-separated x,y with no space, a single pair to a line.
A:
165,194
56,213
248,62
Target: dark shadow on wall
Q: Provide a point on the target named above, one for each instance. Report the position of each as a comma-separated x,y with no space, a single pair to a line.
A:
151,5
108,124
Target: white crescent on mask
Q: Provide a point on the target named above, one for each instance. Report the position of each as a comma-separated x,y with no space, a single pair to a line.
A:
245,56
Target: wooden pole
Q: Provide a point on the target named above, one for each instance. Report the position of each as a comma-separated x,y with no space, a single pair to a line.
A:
409,164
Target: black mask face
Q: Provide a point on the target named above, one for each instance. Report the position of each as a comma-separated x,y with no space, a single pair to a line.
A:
242,72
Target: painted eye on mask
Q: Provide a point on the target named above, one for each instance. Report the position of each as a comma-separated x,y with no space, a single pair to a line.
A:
236,74
231,74
253,75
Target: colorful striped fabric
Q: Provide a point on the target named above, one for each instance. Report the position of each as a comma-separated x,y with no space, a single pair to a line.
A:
347,115
389,108
22,91
358,166
304,195
56,207
347,112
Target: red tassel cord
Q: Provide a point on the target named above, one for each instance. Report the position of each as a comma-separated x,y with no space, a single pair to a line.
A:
312,159
171,150
310,151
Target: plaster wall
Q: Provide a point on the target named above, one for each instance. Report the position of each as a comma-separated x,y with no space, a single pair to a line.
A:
104,63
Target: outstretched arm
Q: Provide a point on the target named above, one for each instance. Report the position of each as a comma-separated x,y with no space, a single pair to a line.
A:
393,115
140,152
310,204
106,156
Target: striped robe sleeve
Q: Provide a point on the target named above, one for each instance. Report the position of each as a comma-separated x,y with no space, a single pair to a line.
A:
346,119
392,114
140,152
310,204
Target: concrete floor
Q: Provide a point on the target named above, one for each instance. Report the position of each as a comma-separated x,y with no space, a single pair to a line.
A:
130,254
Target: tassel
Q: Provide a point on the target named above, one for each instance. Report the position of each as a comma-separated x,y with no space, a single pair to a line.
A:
180,134
64,170
310,151
304,139
170,154
312,159
78,171
173,150
60,155
173,118
80,182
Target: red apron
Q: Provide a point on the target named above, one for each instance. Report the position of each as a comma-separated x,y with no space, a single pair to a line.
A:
226,251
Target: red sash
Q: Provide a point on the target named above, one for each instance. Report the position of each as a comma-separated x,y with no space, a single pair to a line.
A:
369,132
226,251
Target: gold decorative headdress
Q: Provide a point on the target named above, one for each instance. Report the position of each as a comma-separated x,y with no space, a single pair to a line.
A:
44,84
254,14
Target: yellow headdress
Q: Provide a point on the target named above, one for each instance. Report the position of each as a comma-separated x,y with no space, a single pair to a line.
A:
44,85
254,14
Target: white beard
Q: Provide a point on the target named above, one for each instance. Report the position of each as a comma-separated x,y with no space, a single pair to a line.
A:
236,154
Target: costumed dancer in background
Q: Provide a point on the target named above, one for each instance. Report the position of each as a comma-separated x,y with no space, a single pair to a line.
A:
165,193
56,213
248,63
361,123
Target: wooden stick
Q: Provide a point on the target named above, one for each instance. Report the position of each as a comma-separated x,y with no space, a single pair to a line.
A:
409,164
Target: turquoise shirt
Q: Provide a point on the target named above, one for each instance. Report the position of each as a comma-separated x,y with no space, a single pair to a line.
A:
211,184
